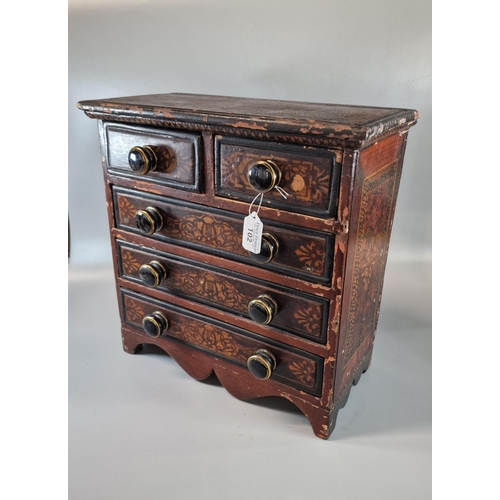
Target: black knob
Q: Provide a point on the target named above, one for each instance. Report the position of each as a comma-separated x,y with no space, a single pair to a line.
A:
262,364
262,309
148,221
268,249
264,175
142,159
152,274
155,324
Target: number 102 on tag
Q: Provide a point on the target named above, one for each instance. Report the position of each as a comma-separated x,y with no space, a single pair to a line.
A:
252,233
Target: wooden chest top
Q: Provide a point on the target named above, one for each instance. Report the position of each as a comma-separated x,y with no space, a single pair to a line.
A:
356,126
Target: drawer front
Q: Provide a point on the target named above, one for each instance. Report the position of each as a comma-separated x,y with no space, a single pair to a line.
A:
310,176
302,253
294,367
298,314
178,155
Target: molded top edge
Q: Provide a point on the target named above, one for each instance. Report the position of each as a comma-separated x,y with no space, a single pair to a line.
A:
335,121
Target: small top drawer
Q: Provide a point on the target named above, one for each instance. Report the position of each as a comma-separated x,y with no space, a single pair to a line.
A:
310,176
162,157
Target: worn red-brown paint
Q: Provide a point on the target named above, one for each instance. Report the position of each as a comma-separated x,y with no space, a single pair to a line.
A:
201,199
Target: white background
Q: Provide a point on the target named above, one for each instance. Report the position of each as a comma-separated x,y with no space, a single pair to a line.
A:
208,444
465,251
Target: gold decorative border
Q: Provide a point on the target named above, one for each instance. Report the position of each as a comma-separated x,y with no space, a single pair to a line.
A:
372,238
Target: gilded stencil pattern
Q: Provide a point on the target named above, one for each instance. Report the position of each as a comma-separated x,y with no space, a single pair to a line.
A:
317,181
211,287
234,170
206,230
133,311
373,226
311,255
208,337
126,210
129,263
219,341
303,371
309,319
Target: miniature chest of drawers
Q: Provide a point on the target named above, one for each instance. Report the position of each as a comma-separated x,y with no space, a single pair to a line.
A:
295,320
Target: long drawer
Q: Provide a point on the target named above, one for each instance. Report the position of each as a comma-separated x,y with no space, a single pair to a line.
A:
297,313
302,253
294,367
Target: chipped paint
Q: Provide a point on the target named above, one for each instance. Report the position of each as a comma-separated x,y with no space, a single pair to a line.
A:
252,126
163,113
298,183
330,131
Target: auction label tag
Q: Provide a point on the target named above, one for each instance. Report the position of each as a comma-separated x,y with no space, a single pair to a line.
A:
252,233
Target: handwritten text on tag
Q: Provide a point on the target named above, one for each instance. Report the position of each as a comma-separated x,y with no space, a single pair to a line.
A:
252,233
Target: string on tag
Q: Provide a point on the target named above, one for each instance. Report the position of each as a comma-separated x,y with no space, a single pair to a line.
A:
252,225
253,201
282,192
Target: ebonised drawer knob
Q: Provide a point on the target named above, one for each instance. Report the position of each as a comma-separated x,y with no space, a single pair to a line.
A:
148,221
152,274
261,364
142,159
268,249
262,309
264,175
155,324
